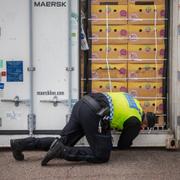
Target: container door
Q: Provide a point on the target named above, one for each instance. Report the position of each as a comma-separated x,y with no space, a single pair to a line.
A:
51,56
14,62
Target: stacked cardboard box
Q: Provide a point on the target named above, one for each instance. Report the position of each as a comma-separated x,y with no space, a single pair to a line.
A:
128,50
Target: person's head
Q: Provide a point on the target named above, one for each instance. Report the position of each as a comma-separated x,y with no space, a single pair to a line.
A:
149,119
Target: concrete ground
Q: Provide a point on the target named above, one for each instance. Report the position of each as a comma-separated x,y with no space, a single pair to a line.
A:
134,164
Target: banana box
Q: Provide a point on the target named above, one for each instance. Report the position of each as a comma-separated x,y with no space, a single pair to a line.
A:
146,53
104,70
111,34
160,121
111,14
145,2
146,14
145,89
152,105
145,70
82,87
104,86
109,1
111,52
146,34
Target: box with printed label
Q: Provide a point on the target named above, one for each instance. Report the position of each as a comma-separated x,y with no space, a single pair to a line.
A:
109,70
146,89
146,53
104,86
109,1
111,14
112,34
152,105
147,14
110,52
145,70
146,2
146,34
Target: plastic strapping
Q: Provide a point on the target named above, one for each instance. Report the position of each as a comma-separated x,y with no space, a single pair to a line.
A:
107,47
126,19
156,52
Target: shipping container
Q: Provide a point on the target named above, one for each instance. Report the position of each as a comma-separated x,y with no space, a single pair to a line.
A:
54,52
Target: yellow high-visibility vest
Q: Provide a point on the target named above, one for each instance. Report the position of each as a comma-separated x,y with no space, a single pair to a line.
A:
124,107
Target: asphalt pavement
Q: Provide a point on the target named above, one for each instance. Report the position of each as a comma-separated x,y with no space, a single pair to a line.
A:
133,164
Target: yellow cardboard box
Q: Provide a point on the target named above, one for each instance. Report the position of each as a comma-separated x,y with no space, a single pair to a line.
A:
142,1
109,1
115,70
146,53
152,105
145,70
139,14
104,86
112,52
114,34
146,34
146,89
82,87
161,121
111,14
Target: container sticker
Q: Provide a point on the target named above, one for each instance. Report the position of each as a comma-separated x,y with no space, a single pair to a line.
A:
1,86
1,63
14,71
179,30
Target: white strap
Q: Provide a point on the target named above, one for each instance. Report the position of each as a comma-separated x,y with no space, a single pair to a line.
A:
107,48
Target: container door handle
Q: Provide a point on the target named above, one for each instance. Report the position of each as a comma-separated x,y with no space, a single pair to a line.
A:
16,101
55,101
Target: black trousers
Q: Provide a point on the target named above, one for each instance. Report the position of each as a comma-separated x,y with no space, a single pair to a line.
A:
84,122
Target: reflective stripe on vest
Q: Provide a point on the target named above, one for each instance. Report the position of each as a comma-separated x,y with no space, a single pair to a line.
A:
125,106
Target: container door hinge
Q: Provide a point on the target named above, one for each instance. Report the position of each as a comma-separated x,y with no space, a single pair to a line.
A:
178,75
178,120
69,69
31,68
31,121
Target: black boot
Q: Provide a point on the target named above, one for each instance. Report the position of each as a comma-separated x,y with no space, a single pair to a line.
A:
30,143
17,149
55,151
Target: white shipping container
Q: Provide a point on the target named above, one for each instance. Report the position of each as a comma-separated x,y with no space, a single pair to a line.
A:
39,71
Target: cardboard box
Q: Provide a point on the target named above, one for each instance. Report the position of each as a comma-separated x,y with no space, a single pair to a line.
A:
146,1
113,52
111,14
116,34
82,87
139,14
145,89
109,1
115,70
146,53
145,70
145,34
104,86
161,121
152,105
